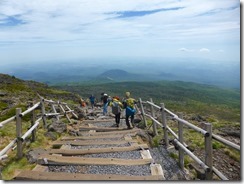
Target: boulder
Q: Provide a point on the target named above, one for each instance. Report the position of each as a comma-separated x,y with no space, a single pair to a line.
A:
57,126
34,154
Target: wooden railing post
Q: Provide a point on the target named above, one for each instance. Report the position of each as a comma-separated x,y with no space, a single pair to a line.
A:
33,119
155,131
54,110
181,140
143,112
62,109
19,133
209,151
164,125
43,113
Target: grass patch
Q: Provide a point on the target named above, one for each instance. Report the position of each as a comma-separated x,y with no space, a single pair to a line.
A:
233,154
14,165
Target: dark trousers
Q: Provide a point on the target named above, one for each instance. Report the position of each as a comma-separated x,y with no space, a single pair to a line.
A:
128,122
117,118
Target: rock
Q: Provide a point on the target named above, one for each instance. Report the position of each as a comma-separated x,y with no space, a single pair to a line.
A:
198,118
34,154
2,93
200,171
57,126
51,135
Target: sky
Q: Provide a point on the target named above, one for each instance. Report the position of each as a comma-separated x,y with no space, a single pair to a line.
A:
39,30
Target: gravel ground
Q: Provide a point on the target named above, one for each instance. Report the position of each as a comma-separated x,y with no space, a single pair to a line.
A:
110,124
121,155
140,170
100,146
169,165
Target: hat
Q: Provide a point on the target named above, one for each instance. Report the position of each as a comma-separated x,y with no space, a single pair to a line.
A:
127,94
116,97
105,94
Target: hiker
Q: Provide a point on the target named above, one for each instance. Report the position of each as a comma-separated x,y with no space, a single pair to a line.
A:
104,99
116,109
92,100
129,105
82,102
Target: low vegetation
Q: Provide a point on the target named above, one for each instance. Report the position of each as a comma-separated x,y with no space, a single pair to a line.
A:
219,106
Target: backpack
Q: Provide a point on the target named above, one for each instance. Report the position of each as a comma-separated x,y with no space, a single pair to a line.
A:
115,108
130,111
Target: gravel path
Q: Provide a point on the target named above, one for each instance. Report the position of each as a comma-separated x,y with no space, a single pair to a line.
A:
100,146
121,155
159,155
141,170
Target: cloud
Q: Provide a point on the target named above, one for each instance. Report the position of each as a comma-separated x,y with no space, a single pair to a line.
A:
11,21
185,50
128,14
141,25
204,50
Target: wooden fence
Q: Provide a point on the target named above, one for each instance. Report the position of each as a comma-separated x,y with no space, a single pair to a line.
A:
178,140
35,121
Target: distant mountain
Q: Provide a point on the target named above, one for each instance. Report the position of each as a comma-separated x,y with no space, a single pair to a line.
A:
118,75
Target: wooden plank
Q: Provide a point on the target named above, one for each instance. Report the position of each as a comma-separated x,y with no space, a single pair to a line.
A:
91,137
40,168
57,160
113,132
156,170
97,121
36,175
146,154
87,143
91,125
101,129
128,138
70,152
65,147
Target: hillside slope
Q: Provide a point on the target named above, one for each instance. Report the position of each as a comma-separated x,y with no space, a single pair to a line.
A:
15,92
180,96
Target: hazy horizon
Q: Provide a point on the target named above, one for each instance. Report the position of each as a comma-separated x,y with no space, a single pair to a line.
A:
50,40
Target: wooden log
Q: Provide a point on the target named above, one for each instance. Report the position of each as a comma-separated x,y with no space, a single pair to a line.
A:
61,176
209,151
156,170
67,160
146,154
92,137
143,112
164,123
7,121
30,109
19,134
155,131
69,152
40,168
101,129
87,143
8,147
181,140
114,132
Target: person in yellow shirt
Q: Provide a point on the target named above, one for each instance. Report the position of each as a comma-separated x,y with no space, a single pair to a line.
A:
129,105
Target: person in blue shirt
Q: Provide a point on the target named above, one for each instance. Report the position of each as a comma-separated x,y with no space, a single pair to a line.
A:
92,100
